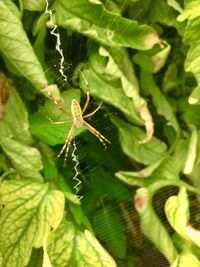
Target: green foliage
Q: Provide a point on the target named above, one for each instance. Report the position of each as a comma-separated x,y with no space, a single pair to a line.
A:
87,251
34,214
142,60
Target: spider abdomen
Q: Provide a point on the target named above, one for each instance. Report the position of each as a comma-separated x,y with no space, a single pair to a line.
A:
76,109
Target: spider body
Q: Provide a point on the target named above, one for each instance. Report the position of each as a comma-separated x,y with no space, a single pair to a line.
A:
77,114
76,109
77,118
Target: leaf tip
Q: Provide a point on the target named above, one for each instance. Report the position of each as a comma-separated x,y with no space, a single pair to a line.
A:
192,100
151,39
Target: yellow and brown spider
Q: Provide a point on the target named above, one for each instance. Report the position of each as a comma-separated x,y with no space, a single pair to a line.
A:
77,117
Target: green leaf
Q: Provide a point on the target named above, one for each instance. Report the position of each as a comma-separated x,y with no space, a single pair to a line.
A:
40,122
151,225
189,113
31,210
186,259
149,87
69,246
123,72
15,120
93,20
152,60
111,95
169,17
191,36
177,211
180,152
33,5
131,177
15,46
163,172
192,151
48,159
170,80
25,159
120,68
130,136
104,76
15,138
13,8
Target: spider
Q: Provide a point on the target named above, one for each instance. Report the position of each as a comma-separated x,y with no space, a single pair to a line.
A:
77,117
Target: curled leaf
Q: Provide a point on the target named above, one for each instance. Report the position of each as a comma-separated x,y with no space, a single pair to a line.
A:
148,122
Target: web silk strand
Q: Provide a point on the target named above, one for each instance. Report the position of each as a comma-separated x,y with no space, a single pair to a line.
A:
58,42
75,177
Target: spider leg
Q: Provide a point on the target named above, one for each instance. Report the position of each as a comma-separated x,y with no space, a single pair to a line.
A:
67,143
92,113
59,107
88,93
102,139
60,122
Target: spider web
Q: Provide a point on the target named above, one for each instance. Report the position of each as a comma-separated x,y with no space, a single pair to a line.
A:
89,162
88,168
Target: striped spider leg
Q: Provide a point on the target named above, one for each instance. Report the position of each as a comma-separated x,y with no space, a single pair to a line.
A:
77,119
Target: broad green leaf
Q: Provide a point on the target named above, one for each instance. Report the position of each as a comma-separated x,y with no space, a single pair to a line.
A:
186,259
191,10
192,65
164,172
189,113
131,177
40,122
191,36
93,20
15,45
12,7
180,152
192,151
111,95
69,246
149,87
25,159
170,79
152,60
50,170
111,232
169,16
17,50
14,123
130,136
177,211
151,225
33,5
118,63
120,68
112,79
30,211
